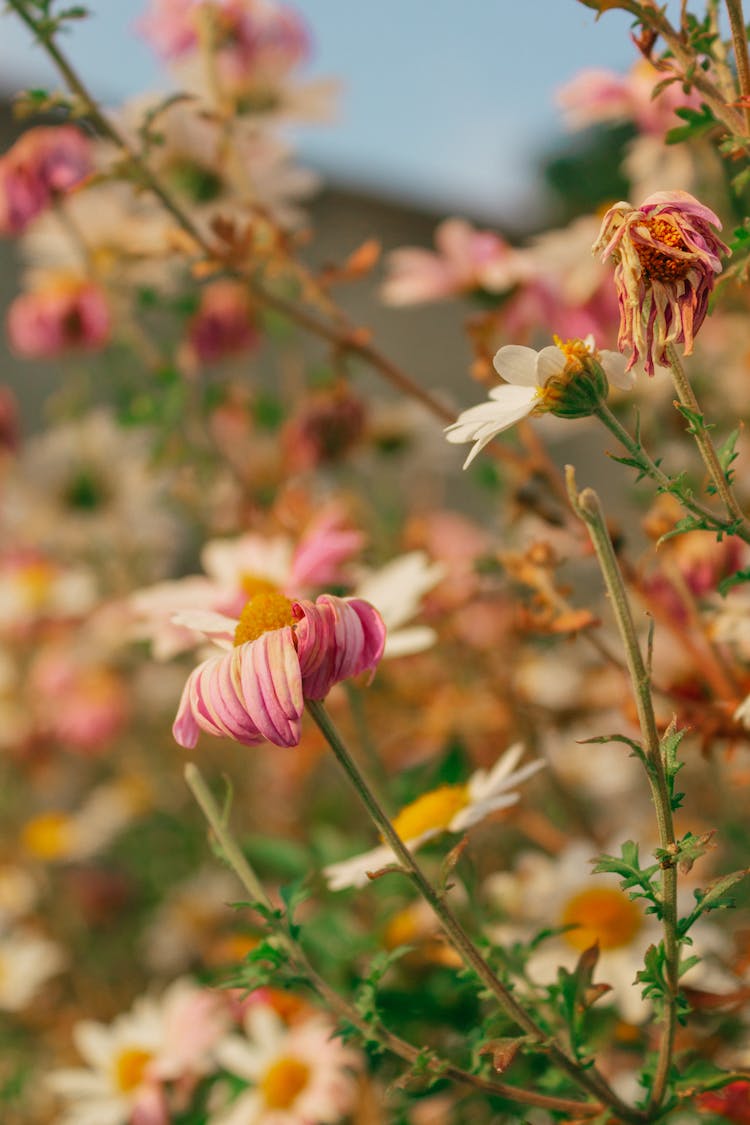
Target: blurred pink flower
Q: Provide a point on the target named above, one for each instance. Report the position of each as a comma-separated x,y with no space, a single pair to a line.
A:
83,705
465,259
277,655
44,162
667,257
223,324
235,569
63,314
253,38
600,95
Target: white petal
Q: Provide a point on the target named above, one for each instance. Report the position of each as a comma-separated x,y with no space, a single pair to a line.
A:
353,872
517,365
405,642
472,814
552,362
614,365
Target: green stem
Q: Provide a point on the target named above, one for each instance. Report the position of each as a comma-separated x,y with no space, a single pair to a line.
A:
235,858
650,469
706,448
589,1080
741,57
587,507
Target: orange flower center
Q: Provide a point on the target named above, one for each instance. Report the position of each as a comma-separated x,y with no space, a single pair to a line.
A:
47,836
603,915
283,1082
130,1066
657,264
262,614
431,811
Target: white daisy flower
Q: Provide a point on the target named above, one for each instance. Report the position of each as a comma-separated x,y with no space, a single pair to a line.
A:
449,808
299,1074
396,590
535,383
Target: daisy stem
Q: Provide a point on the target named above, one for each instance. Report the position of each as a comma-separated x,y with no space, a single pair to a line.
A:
741,58
237,861
650,469
589,1079
588,508
699,430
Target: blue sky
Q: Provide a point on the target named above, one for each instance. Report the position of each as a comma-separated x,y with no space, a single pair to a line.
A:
445,102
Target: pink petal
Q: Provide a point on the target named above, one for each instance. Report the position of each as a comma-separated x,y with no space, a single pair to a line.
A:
272,686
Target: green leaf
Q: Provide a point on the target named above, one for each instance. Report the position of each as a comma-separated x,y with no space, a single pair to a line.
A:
703,1075
735,579
633,877
698,122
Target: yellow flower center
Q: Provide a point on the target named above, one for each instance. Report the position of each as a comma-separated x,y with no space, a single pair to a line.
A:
660,265
35,581
603,915
575,352
262,614
430,811
129,1069
283,1082
47,836
254,584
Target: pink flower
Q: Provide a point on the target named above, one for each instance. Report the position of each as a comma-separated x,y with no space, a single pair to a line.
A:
594,96
64,314
466,259
83,705
253,41
278,654
223,324
44,162
666,258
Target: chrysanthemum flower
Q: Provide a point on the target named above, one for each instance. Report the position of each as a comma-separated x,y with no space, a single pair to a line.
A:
566,379
277,655
667,257
64,313
449,808
43,163
299,1074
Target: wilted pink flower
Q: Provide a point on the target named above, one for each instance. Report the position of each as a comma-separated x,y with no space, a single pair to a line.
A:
667,257
597,95
465,259
223,324
278,654
64,314
44,162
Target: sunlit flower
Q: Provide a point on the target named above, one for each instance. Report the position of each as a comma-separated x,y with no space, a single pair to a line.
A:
277,655
129,1060
298,1075
667,257
62,313
449,808
27,961
45,162
396,590
566,379
465,259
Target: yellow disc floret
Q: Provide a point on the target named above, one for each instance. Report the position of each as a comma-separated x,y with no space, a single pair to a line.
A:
283,1082
130,1067
603,915
434,810
254,584
262,614
48,836
575,352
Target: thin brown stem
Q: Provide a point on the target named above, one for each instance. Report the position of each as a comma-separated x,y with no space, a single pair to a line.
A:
741,57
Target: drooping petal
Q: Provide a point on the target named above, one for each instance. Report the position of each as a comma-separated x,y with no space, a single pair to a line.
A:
615,368
336,638
481,423
272,686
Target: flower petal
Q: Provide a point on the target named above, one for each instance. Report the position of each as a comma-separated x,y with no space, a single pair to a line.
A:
271,684
517,365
